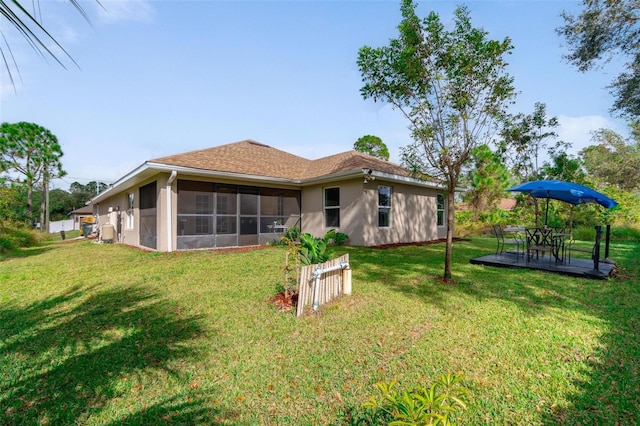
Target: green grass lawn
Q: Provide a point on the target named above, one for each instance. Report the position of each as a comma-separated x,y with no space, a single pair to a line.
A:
105,334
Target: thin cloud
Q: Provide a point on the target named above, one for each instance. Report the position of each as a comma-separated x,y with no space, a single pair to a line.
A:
113,11
578,130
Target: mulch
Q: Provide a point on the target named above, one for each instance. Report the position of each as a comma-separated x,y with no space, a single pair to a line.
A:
419,243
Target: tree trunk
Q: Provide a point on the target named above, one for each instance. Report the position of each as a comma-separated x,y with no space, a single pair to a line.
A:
44,204
30,202
450,228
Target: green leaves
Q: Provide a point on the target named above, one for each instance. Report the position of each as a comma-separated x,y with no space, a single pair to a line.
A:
451,85
315,250
433,405
30,151
372,145
603,30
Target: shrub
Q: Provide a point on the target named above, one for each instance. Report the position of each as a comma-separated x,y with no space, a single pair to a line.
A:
340,238
292,234
314,249
434,405
13,237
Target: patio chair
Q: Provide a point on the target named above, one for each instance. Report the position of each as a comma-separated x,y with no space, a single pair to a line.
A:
539,240
506,240
570,247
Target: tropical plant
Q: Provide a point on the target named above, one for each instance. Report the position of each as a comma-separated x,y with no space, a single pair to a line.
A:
429,405
314,249
30,27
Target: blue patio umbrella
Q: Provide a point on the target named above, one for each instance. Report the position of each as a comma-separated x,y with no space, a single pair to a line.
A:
568,192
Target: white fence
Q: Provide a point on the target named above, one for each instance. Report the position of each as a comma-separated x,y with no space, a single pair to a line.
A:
321,283
63,225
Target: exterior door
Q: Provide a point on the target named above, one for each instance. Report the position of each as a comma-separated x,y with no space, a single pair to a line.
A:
248,216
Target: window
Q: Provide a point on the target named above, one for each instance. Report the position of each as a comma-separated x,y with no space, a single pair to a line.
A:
130,211
440,211
148,221
226,209
195,208
204,211
384,206
332,207
148,196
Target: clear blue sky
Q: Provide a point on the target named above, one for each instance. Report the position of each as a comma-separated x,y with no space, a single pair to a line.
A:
164,77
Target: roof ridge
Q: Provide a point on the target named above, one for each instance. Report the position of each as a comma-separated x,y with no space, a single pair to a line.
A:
193,151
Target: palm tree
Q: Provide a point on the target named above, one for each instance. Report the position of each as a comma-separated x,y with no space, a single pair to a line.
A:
30,27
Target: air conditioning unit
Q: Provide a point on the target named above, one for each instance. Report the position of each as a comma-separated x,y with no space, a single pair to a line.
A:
108,233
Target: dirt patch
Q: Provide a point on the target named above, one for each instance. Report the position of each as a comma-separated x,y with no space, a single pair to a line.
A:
419,243
239,249
284,301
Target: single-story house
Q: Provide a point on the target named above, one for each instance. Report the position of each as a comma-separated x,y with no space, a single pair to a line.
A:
248,193
83,213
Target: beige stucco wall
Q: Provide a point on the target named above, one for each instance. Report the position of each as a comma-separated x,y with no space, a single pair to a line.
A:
312,210
131,236
413,213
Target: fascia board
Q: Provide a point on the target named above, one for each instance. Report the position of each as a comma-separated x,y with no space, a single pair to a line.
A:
213,173
410,180
148,169
124,182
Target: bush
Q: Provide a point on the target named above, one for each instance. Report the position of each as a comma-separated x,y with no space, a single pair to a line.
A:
13,237
315,250
433,405
340,238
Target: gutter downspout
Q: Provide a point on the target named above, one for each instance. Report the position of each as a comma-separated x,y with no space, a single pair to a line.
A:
169,196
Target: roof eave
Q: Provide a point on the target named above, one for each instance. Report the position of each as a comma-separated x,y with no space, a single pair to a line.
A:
138,175
147,170
409,180
216,173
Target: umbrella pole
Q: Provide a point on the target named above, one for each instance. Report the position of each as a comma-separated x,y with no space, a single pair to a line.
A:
546,213
571,221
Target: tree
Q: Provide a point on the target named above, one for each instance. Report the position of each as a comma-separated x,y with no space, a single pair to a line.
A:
452,86
612,160
488,178
372,145
525,137
82,194
11,207
31,155
564,167
605,29
60,204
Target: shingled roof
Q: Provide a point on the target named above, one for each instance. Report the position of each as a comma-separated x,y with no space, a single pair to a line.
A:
253,158
246,157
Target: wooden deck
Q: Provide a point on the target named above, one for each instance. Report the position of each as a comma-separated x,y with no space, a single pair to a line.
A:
579,267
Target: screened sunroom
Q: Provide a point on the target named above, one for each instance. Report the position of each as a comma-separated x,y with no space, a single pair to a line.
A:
212,215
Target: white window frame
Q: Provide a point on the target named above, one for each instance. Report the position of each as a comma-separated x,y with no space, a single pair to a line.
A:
130,210
439,210
382,207
326,207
